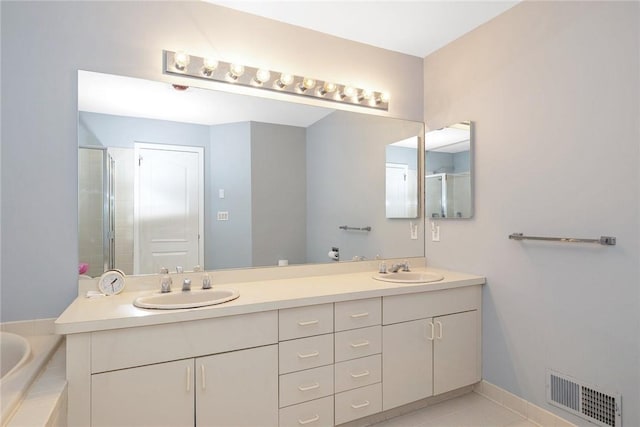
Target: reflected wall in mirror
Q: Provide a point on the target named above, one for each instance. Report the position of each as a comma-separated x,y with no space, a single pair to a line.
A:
279,179
402,178
449,172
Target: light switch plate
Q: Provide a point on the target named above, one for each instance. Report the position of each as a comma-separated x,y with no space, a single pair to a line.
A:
223,216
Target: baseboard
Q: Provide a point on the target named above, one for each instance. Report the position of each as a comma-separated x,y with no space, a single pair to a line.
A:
532,412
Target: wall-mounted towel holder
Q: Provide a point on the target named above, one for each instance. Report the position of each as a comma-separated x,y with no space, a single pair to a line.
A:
346,227
603,240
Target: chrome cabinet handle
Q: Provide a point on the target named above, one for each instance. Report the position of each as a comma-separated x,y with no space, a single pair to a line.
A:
363,374
355,316
204,377
305,356
361,344
308,322
362,405
309,421
433,332
439,336
309,387
188,378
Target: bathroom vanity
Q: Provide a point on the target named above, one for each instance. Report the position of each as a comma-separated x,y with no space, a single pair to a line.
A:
316,350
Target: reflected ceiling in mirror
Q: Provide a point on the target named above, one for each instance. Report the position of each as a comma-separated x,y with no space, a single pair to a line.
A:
449,177
279,178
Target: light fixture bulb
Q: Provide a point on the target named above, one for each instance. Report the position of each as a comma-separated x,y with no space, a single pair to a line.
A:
327,87
285,80
209,66
366,94
181,60
384,97
306,84
349,92
235,71
262,76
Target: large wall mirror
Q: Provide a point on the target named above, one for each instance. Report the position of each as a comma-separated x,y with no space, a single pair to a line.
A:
172,177
449,172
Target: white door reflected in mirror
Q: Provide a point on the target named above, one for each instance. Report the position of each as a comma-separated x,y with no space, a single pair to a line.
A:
401,195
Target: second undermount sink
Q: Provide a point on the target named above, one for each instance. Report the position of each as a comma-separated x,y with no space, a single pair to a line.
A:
186,299
409,277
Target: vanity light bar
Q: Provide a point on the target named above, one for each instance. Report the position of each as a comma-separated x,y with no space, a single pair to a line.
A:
182,64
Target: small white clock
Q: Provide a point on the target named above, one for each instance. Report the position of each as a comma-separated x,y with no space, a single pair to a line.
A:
111,282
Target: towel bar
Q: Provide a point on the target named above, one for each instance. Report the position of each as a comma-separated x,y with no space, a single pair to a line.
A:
603,240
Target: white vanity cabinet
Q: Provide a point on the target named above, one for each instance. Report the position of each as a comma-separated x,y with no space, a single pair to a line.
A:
204,372
430,344
215,388
158,395
316,365
326,377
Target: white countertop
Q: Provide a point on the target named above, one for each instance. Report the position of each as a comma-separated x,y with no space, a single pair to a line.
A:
115,312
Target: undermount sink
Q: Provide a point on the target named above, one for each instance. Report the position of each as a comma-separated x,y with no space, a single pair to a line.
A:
186,299
409,277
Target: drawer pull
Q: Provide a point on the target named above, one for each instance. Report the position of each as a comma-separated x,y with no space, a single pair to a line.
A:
309,387
362,405
308,322
309,421
357,315
360,344
306,356
360,375
439,336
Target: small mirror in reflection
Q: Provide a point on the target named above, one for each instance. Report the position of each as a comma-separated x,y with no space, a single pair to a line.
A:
448,166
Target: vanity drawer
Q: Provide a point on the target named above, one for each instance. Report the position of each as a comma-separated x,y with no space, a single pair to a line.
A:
358,343
305,321
357,314
403,308
358,373
317,413
306,385
358,403
305,353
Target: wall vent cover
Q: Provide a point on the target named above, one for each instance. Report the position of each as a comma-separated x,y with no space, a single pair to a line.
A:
584,400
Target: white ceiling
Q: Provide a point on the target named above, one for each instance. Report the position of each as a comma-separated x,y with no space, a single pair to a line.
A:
416,28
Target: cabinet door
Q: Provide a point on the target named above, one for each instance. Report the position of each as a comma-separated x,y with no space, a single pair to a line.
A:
456,353
406,362
154,395
239,388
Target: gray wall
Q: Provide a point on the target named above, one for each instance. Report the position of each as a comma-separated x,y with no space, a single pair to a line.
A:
40,56
228,243
279,193
553,88
338,188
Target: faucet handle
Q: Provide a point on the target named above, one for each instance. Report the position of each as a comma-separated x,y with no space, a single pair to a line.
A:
206,281
405,265
164,270
186,285
382,268
179,269
165,284
197,268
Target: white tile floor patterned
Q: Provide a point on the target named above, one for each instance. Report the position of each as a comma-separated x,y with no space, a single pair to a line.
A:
470,410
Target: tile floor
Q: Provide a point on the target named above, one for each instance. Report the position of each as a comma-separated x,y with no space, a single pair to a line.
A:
469,410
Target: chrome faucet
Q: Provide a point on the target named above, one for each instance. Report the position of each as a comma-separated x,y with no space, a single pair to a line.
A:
396,267
165,281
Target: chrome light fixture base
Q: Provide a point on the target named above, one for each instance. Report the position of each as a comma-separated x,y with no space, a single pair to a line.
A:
194,66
